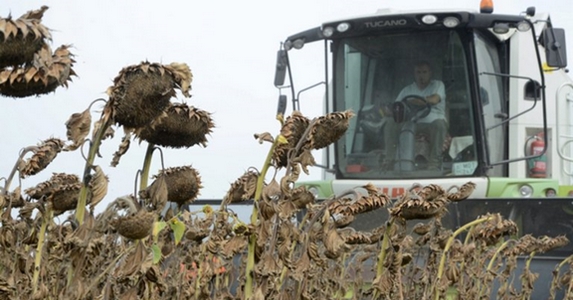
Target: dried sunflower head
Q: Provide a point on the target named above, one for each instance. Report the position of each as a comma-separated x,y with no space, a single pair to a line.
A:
495,228
65,197
292,130
179,126
463,192
328,129
243,188
135,225
411,207
14,199
141,92
46,188
183,184
547,243
20,39
42,76
43,155
301,196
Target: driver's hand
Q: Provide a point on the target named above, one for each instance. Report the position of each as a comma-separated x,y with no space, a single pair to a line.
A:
385,111
416,101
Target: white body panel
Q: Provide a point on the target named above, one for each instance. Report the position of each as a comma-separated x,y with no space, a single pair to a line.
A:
523,62
394,188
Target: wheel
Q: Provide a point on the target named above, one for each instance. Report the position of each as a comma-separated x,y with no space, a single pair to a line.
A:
418,107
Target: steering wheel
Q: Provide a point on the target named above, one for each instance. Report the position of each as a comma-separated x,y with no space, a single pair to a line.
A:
406,110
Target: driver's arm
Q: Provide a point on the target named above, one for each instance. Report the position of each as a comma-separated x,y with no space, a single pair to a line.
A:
434,99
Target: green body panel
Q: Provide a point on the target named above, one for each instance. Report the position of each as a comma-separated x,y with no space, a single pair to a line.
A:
502,187
565,191
323,187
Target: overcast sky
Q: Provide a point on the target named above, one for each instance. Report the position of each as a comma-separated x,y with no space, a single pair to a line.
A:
230,47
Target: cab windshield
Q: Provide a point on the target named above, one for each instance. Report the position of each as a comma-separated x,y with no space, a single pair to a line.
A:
410,92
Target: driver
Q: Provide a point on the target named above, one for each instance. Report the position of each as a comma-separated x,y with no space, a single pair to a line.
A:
434,125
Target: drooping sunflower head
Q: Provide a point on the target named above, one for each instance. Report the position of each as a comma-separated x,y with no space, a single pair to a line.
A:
61,190
20,39
179,126
43,75
328,129
183,184
65,197
243,188
494,228
140,93
43,155
136,225
293,130
46,188
411,207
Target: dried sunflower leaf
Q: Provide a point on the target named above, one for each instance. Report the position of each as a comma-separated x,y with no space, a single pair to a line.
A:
123,147
157,194
78,127
98,185
264,137
178,228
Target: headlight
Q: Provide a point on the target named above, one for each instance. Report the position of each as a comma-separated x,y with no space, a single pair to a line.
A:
451,22
523,26
549,193
328,31
314,191
298,43
525,191
429,19
501,28
342,27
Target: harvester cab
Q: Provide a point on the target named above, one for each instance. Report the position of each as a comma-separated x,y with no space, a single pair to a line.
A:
440,97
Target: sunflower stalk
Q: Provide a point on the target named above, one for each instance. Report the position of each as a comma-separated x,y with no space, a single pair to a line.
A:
16,166
554,284
94,147
146,166
385,245
39,248
463,263
449,243
526,293
254,219
382,254
494,258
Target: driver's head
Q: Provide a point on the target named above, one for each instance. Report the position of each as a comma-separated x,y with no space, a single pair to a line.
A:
422,74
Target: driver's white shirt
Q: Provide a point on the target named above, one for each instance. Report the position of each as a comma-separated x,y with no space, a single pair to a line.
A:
438,111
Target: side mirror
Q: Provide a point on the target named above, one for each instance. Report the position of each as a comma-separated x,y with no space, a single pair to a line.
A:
281,66
553,40
281,108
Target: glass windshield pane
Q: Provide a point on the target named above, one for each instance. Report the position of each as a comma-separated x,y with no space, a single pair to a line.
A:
487,59
411,96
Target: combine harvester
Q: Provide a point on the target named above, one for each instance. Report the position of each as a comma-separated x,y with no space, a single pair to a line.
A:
506,98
